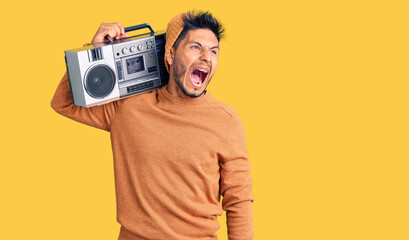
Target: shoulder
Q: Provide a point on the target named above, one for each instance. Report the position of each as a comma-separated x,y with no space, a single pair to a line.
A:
139,99
228,111
227,117
232,131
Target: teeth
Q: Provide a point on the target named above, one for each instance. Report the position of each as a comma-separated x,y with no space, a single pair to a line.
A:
202,70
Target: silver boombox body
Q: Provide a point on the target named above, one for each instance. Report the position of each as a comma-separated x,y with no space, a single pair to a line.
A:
106,72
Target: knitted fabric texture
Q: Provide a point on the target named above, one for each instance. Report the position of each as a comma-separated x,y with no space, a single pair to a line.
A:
173,160
173,30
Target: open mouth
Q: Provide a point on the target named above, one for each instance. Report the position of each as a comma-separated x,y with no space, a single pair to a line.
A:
198,77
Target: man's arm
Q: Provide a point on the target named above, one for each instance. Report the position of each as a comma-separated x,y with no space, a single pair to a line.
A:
98,116
236,184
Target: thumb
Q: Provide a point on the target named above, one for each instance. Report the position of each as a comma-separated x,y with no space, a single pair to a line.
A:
125,35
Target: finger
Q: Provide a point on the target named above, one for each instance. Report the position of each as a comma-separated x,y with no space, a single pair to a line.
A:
117,31
111,31
120,27
100,34
126,35
107,29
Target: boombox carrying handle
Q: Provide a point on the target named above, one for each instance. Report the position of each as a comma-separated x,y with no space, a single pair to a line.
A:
140,26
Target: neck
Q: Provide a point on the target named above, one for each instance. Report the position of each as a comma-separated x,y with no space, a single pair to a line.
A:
174,89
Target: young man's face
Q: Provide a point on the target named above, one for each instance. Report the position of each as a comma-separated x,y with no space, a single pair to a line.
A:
194,61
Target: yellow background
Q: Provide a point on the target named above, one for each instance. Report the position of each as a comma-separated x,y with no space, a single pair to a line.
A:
321,87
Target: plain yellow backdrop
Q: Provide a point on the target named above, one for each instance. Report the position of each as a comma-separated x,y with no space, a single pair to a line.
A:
321,87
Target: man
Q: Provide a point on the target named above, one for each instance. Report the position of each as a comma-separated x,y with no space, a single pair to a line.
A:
176,149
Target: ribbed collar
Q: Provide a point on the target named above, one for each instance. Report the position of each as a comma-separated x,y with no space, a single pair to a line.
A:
202,100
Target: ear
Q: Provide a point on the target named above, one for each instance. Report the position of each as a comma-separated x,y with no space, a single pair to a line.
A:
171,56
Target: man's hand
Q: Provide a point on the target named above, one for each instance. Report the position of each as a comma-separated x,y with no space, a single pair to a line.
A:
113,30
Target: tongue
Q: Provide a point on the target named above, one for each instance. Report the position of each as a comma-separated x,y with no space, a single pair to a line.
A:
195,78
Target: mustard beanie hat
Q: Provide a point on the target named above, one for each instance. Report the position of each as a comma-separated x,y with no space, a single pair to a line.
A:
175,27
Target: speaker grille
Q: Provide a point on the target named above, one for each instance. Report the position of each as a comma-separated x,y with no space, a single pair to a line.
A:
100,81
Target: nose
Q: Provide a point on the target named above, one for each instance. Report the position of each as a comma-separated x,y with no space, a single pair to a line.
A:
205,56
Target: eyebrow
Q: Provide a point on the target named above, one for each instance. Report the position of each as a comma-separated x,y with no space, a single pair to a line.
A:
198,43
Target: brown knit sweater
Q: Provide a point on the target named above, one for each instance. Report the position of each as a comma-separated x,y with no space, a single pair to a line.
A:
173,158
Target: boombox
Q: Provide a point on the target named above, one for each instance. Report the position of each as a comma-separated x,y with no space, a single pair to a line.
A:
105,72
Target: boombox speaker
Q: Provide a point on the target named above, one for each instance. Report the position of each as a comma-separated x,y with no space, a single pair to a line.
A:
105,72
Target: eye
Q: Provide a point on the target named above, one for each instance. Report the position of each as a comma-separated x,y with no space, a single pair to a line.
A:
196,47
214,52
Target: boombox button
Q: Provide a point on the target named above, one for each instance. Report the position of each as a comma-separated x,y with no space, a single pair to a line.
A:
132,49
125,50
140,47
